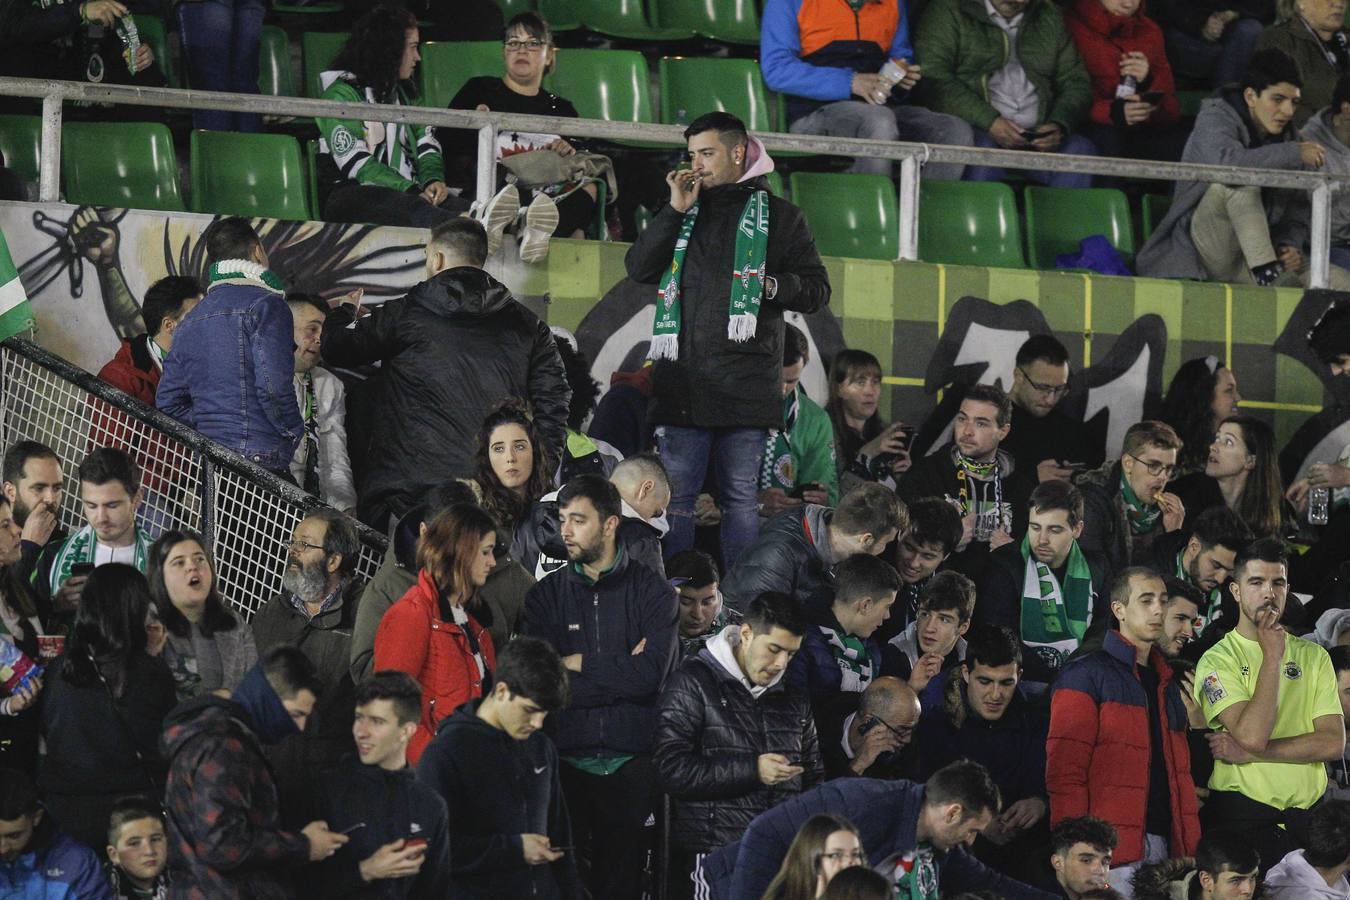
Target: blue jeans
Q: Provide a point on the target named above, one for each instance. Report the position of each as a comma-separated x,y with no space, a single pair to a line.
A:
220,51
1074,144
736,454
1219,63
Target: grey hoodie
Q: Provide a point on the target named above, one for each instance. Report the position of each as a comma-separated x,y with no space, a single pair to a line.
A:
1336,162
1292,878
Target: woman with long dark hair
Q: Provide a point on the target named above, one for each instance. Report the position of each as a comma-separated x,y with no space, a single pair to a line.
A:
866,448
103,707
1243,460
512,470
825,845
1201,395
207,648
20,625
430,633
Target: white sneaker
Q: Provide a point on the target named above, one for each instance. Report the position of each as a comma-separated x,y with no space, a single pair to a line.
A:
541,220
499,212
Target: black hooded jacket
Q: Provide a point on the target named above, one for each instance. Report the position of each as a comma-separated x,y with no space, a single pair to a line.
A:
452,349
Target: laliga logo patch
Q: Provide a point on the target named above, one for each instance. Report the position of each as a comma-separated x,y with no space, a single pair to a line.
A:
1213,688
1292,671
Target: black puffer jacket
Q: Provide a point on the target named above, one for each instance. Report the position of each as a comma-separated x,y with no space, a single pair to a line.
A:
453,348
717,382
786,557
709,737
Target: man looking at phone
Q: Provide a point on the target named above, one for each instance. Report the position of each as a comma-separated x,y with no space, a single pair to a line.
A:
397,827
1043,439
799,462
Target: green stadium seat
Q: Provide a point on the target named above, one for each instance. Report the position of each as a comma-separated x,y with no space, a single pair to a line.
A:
275,78
511,7
1058,218
447,65
626,19
312,177
307,10
1154,207
604,84
237,174
152,32
849,214
969,223
124,164
21,145
319,48
775,179
729,21
561,15
693,86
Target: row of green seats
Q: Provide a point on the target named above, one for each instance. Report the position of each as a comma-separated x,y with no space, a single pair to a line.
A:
729,21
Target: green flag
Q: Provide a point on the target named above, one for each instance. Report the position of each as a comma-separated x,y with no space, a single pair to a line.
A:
16,314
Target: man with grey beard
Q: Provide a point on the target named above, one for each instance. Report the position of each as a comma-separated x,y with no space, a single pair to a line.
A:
315,612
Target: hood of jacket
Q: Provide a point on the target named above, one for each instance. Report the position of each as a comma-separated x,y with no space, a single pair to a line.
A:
462,291
816,520
720,651
1294,871
757,159
659,524
203,715
1330,625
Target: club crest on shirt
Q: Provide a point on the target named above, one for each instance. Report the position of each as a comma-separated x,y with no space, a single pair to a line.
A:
1213,688
1292,670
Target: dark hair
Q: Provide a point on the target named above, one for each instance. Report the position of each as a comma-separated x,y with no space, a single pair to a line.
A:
18,455
795,347
994,396
1329,338
1056,494
131,809
1225,851
992,646
603,495
230,238
374,51
1090,830
399,688
949,590
18,795
585,389
463,237
933,520
1328,834
858,883
863,575
313,301
870,508
1187,407
109,631
1340,658
1151,433
1270,66
110,464
15,591
697,568
215,616
339,537
1219,526
770,610
532,669
1044,347
730,130
289,671
531,23
447,550
1120,584
1177,587
849,363
500,502
1267,550
1262,502
966,783
165,299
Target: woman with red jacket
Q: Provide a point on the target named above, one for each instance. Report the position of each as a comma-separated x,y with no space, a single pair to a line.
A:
1134,99
429,633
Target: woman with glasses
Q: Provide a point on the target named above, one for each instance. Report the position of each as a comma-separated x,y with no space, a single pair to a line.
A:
205,646
866,448
1202,394
825,845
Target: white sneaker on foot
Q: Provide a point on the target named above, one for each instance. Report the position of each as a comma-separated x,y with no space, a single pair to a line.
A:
499,212
541,220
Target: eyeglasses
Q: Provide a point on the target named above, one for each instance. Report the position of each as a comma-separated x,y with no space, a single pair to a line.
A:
299,546
904,732
1154,467
838,856
530,45
1050,390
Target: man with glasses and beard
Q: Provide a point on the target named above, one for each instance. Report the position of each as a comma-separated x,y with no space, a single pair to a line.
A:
315,612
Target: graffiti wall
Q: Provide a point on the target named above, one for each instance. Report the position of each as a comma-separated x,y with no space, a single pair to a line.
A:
931,325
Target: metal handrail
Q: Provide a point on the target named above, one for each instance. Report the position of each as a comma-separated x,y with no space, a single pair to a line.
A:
911,156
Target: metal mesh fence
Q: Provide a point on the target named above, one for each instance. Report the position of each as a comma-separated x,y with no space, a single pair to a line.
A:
245,513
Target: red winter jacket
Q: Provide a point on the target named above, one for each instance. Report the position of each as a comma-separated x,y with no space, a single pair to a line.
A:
1097,755
413,638
1101,38
133,371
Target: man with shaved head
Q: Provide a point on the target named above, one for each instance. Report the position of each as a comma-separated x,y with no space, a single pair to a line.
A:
875,739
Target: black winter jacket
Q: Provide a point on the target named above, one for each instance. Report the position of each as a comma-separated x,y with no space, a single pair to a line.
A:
786,557
499,788
388,806
539,535
612,711
453,348
709,737
717,382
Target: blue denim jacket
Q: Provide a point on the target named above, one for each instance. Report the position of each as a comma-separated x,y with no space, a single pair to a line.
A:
229,374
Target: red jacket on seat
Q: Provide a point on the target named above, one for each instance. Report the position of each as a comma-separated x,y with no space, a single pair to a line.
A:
1101,38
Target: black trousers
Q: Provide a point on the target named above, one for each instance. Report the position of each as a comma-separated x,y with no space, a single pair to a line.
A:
609,826
371,205
1259,824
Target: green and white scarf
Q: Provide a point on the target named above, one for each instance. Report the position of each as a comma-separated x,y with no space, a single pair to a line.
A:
916,875
1142,515
855,664
1054,616
778,469
82,547
747,279
244,271
1213,600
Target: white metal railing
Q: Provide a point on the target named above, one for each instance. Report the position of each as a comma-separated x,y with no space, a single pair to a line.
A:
911,156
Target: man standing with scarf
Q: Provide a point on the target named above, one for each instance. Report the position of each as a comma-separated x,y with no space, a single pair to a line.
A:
243,398
727,259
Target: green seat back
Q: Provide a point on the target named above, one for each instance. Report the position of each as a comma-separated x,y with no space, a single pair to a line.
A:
1154,207
692,86
626,19
969,223
1058,218
319,48
730,21
511,7
312,177
236,174
447,65
21,145
849,214
775,179
603,84
275,78
308,10
127,164
152,32
561,15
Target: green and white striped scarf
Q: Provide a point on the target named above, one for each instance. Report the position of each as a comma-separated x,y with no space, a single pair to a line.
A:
244,271
82,547
1054,616
855,665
